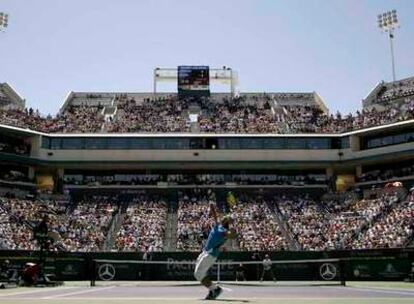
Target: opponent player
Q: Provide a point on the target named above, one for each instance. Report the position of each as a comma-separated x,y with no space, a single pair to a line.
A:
267,268
219,233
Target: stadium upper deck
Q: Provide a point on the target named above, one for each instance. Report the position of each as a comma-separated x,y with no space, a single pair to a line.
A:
249,113
384,92
9,98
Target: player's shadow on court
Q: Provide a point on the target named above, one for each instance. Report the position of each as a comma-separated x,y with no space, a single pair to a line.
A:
229,300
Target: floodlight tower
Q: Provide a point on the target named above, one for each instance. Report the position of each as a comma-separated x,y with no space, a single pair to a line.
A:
388,22
4,21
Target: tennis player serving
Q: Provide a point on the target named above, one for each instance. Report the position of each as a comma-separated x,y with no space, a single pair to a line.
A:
219,233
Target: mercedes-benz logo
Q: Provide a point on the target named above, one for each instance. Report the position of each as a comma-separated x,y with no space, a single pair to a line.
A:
327,271
106,272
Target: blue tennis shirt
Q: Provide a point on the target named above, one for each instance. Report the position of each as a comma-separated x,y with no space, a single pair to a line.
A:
216,239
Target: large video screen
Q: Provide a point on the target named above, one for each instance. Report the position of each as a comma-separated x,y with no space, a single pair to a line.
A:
193,80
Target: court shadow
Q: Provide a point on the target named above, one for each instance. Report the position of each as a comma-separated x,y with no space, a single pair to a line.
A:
229,300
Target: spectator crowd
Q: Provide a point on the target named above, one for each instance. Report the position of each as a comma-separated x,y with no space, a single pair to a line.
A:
160,115
388,174
256,225
143,228
86,227
391,231
329,225
8,145
80,228
193,219
75,119
197,179
140,222
242,114
20,216
305,219
13,233
238,116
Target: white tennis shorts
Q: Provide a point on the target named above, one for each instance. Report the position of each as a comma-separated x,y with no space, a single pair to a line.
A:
203,264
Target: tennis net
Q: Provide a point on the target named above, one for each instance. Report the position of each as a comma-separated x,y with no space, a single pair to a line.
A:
320,271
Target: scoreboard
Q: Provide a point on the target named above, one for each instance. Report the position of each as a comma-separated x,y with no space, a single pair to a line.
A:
193,80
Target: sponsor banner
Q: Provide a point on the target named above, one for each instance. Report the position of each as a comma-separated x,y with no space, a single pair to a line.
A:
383,270
368,265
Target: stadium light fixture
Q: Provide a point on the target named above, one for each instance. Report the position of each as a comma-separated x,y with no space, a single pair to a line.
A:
4,21
388,22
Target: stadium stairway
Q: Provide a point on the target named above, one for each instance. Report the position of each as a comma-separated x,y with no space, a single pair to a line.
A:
109,112
114,228
279,114
170,237
194,111
284,228
194,127
362,232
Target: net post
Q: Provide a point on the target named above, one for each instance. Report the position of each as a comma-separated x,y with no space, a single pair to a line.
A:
93,271
218,271
342,271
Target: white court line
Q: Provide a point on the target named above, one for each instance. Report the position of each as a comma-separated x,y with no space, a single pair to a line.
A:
400,292
226,289
78,292
224,298
17,292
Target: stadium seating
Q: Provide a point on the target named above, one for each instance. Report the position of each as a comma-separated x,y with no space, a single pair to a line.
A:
347,222
85,228
143,228
321,226
8,145
80,119
306,220
388,174
19,216
256,225
238,116
14,235
394,90
197,179
256,114
194,222
159,115
392,230
89,224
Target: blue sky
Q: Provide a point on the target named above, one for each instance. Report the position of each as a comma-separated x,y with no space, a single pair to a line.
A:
332,47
